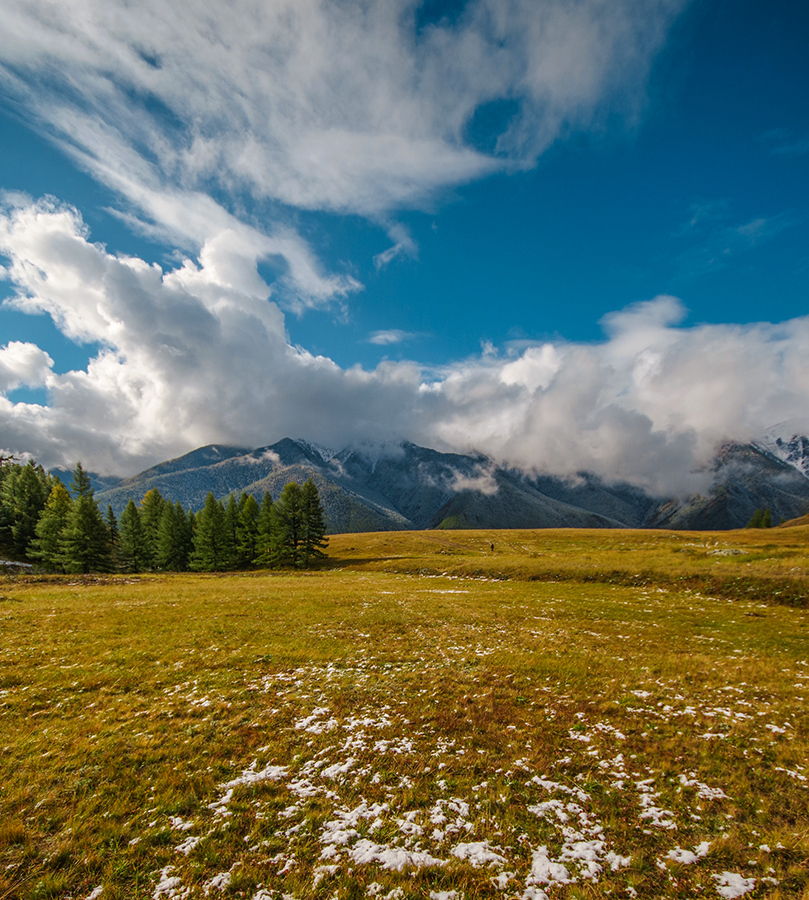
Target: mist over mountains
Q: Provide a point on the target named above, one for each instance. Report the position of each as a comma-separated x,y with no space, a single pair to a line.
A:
399,486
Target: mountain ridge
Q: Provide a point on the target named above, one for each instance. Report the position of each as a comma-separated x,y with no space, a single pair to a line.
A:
406,487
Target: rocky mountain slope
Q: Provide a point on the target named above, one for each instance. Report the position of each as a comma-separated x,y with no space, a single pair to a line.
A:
788,441
403,486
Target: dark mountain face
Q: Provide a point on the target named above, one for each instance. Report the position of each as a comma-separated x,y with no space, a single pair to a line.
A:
746,478
403,486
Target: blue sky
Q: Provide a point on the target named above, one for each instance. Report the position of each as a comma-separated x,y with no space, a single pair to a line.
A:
558,234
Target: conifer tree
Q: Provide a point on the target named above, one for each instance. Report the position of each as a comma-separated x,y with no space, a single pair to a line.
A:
85,544
9,471
151,511
133,554
112,533
212,544
247,531
185,522
173,539
50,529
314,540
266,518
232,520
27,494
288,529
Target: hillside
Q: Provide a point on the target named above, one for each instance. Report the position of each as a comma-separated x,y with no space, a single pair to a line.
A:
403,486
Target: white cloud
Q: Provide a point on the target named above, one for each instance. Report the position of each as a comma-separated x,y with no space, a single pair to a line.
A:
318,105
482,481
197,355
23,364
390,336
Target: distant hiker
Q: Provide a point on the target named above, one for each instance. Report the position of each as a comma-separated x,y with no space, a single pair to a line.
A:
492,546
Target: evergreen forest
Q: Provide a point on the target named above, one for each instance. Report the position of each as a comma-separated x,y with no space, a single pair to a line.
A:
60,530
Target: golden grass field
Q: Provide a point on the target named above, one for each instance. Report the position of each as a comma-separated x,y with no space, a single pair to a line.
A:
573,714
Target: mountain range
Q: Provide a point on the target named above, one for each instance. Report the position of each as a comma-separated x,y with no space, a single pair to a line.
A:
403,486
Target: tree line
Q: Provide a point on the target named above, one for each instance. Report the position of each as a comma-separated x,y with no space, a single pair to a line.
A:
43,523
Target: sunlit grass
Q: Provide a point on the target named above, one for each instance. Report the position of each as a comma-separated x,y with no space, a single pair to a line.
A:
423,717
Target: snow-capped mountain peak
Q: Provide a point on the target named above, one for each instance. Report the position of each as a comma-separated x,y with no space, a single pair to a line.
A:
788,441
325,453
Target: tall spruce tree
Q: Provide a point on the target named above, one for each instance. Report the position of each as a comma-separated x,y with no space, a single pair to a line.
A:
85,544
27,493
263,556
173,540
288,528
232,521
151,511
112,532
213,546
314,540
247,531
47,545
133,553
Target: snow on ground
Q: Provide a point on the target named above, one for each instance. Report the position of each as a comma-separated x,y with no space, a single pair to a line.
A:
367,791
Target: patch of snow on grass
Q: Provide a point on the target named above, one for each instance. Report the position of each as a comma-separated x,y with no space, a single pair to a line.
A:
397,859
479,853
170,886
731,884
219,882
187,845
687,857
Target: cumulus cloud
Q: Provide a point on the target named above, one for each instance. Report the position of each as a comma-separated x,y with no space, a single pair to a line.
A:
23,364
195,355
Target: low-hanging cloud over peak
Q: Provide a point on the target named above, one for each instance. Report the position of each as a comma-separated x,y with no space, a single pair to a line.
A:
195,355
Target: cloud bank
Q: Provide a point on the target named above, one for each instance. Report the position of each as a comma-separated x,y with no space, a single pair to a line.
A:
199,354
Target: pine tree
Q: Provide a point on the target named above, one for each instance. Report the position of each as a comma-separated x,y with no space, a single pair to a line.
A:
247,531
314,541
288,528
85,544
766,519
133,553
30,490
80,484
185,523
50,529
232,523
112,533
9,472
265,525
756,519
151,511
211,539
174,539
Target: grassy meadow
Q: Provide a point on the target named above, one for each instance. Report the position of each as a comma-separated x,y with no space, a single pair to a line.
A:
571,714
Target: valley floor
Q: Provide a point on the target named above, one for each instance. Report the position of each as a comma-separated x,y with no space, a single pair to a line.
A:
569,714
